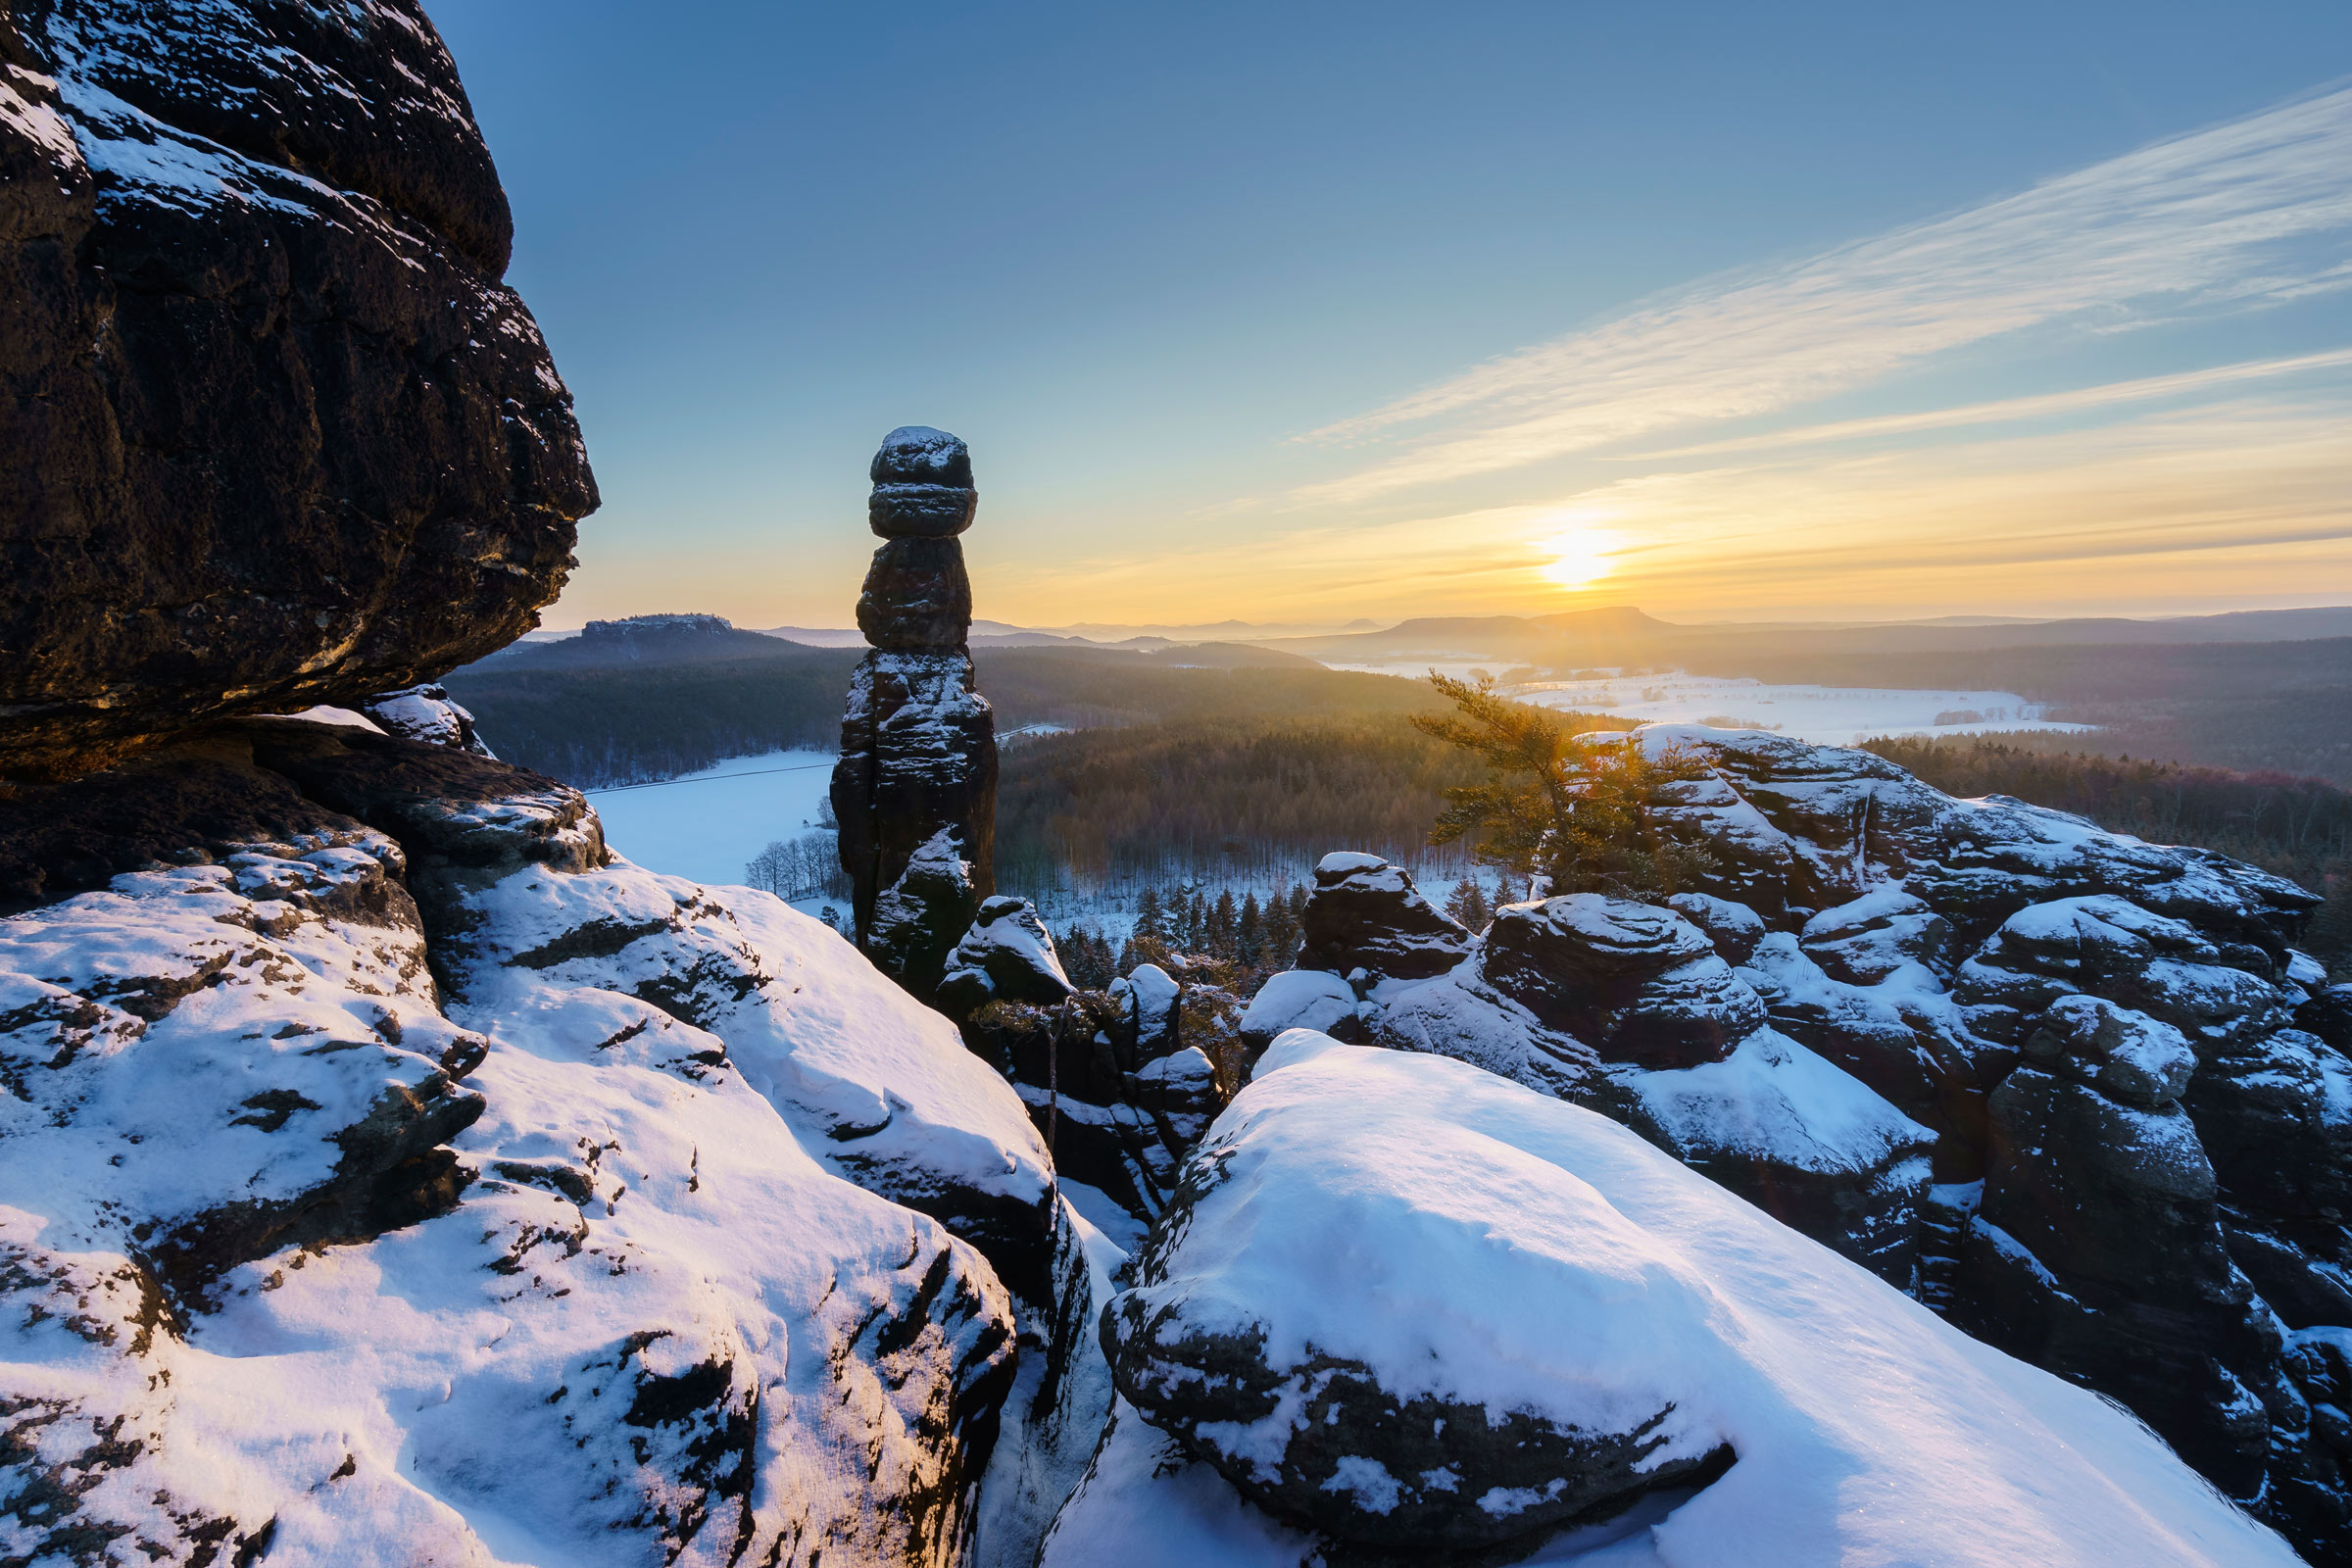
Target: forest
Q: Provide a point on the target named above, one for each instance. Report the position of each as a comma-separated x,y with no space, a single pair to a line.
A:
1173,776
594,725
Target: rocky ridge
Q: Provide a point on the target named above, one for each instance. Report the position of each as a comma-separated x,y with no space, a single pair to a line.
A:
1997,1055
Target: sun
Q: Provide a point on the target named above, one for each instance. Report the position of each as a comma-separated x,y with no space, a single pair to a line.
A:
1580,557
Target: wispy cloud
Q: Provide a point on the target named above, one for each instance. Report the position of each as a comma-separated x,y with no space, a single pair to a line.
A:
2002,411
2202,221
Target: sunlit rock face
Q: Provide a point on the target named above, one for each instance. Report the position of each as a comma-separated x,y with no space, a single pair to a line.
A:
915,789
2075,1091
275,434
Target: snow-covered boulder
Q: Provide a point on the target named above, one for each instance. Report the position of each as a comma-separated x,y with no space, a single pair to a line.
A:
1007,956
1629,1008
426,712
1637,983
1299,998
1369,1234
1366,915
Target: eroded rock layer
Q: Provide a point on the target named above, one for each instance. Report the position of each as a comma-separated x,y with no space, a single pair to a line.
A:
273,432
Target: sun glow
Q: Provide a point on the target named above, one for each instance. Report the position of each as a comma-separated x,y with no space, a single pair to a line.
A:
1580,557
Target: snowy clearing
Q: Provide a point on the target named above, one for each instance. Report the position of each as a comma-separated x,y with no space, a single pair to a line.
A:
706,826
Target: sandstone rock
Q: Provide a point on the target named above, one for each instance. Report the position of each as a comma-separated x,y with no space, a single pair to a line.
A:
275,434
1734,929
1339,1442
235,1080
1362,1232
922,485
915,788
2126,1055
1910,1044
1873,939
2099,1253
1637,983
1365,913
1007,955
2161,967
425,712
916,595
1300,999
2328,1014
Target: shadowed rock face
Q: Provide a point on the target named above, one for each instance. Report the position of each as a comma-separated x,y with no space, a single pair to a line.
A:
915,789
273,433
2140,1097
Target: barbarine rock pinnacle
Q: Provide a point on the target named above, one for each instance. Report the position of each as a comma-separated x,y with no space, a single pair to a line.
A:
915,789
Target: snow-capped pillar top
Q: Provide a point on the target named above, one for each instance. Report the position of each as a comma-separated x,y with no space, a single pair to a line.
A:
922,485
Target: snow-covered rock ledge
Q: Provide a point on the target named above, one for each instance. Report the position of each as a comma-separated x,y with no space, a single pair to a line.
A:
1382,1262
424,1183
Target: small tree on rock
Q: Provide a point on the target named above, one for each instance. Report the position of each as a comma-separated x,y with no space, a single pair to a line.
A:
1579,811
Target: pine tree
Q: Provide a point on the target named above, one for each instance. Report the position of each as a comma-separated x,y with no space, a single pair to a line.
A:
1467,903
1250,932
1196,922
1217,927
1149,920
1576,810
1282,930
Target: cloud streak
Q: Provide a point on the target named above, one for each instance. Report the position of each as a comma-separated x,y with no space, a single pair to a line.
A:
2208,221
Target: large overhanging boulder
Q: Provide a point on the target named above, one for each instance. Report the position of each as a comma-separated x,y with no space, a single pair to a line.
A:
273,432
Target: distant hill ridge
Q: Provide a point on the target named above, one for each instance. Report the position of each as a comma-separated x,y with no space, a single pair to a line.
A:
1622,634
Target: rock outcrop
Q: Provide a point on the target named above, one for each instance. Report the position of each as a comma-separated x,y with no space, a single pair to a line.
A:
274,434
1122,1083
915,788
300,1113
1329,1355
2073,1090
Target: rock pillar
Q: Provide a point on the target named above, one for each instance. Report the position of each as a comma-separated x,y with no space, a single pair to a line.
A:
915,789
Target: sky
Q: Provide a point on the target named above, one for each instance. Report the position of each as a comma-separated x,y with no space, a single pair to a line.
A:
1301,312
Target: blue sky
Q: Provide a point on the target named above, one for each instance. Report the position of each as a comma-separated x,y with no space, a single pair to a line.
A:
1300,313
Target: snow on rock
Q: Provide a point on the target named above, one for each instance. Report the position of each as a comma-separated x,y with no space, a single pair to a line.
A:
1628,1008
1299,998
914,790
1366,915
571,1215
211,1063
426,712
878,1083
2018,986
1361,1237
1008,954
